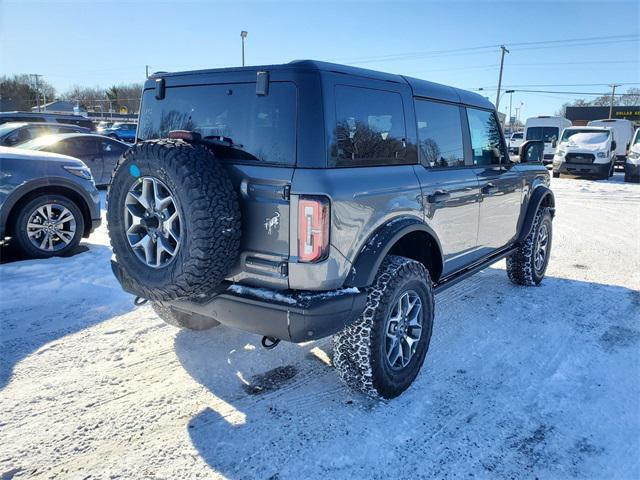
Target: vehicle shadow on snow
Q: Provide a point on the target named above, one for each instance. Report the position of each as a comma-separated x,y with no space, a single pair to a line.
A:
284,413
44,300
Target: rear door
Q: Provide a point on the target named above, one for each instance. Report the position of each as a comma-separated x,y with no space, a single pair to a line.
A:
500,183
111,151
87,150
254,136
450,190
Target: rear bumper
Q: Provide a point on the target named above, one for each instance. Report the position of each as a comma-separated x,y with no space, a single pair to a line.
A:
599,169
292,316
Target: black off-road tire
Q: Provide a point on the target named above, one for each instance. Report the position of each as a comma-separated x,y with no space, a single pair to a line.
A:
210,219
189,321
556,174
521,264
359,350
19,227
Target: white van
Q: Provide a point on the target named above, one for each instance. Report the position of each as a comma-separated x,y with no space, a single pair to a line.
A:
586,151
547,129
632,165
624,133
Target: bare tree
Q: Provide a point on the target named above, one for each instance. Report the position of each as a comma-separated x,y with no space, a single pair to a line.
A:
19,92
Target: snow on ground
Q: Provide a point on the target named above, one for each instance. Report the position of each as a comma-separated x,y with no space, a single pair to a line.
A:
518,383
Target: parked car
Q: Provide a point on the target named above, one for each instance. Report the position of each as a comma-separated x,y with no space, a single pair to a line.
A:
122,131
623,132
101,126
515,141
586,151
13,133
632,164
48,202
547,129
46,117
99,153
362,194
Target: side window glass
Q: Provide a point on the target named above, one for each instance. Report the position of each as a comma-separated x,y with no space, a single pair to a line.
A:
439,134
370,128
486,142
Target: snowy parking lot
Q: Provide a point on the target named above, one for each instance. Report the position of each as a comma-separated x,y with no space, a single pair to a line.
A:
518,382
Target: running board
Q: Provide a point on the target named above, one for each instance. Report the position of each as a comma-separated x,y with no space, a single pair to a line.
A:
451,280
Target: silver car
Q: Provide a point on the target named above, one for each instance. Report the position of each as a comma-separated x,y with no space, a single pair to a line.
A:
48,202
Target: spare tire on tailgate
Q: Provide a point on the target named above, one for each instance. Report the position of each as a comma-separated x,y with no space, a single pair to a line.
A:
174,220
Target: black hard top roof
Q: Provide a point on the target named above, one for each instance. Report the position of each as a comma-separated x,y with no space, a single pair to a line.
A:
421,88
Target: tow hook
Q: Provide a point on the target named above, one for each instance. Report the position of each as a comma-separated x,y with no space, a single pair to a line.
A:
140,301
270,342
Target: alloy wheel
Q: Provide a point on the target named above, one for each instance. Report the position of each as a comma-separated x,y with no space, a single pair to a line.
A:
51,227
541,247
403,330
152,222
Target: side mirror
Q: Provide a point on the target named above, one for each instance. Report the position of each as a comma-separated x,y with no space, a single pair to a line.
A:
531,151
613,145
554,144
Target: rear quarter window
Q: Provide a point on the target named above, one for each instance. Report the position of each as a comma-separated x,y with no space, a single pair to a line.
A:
254,128
369,128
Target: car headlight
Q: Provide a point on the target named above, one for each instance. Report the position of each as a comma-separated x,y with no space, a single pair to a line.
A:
560,153
82,172
634,155
602,154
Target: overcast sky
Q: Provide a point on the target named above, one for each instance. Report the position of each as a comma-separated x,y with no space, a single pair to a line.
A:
95,42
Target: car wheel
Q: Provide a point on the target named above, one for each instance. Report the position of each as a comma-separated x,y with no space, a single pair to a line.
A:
48,225
381,353
556,174
189,321
528,264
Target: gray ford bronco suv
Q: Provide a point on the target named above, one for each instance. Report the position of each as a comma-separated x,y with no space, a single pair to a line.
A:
310,199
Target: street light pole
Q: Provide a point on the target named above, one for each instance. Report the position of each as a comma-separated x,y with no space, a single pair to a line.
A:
613,93
510,92
243,35
503,50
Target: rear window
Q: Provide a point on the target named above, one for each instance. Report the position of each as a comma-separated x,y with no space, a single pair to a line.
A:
249,127
546,134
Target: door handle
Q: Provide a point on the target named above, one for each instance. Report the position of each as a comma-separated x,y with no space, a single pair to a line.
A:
438,196
489,189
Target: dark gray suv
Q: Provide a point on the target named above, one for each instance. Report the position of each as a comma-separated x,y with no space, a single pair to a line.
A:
303,200
48,202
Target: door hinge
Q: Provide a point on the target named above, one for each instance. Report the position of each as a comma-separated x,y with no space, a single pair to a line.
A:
286,192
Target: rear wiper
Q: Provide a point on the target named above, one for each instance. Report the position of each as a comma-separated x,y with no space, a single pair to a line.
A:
222,141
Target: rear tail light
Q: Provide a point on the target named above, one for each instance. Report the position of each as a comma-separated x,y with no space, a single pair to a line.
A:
313,229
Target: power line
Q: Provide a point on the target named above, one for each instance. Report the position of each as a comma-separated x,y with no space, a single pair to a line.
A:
468,50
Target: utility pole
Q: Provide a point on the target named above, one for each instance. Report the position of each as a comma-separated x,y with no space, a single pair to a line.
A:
503,50
37,87
613,93
243,35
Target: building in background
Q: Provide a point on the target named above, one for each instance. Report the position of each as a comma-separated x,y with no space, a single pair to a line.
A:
580,116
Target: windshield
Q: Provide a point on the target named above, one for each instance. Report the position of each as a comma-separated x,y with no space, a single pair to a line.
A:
637,138
249,127
585,137
546,134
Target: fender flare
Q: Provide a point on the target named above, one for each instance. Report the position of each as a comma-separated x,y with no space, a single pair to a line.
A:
378,245
540,194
